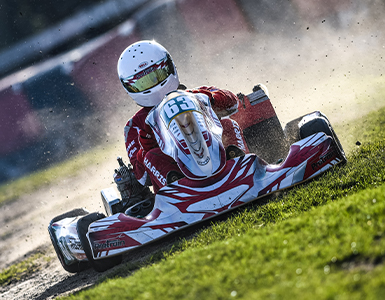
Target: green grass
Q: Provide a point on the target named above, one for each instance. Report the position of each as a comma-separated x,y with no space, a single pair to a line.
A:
321,240
366,169
20,270
335,251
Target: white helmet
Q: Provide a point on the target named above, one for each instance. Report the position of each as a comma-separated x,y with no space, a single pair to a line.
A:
147,72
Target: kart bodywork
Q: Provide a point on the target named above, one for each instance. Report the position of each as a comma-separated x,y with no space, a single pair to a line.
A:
80,238
186,202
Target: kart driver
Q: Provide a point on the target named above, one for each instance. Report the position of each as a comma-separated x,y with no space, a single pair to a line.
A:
147,72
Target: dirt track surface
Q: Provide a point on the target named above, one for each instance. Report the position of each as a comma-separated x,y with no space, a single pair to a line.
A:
302,78
26,221
50,282
24,225
24,232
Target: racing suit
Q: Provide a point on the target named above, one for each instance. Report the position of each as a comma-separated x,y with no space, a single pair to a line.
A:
146,157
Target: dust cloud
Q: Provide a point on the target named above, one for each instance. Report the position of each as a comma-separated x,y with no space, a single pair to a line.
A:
326,57
333,63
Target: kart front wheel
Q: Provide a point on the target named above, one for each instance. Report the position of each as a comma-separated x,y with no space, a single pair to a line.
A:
99,265
74,267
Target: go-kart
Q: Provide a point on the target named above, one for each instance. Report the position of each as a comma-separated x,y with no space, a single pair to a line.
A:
215,180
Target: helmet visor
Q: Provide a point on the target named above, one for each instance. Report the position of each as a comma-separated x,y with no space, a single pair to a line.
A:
149,77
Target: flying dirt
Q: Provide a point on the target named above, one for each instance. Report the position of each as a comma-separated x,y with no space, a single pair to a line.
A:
319,66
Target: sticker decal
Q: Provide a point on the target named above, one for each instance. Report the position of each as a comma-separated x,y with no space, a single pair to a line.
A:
143,65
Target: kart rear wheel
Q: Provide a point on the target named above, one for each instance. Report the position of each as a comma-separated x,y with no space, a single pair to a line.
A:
297,129
75,267
322,124
99,265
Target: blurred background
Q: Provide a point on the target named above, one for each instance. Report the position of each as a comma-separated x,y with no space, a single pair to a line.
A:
60,93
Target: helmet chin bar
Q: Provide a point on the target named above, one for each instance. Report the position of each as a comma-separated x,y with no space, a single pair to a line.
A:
154,96
195,141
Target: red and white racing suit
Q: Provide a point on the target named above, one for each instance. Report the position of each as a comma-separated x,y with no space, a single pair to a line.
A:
146,157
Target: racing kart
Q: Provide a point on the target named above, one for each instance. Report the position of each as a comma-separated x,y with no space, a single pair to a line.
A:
215,180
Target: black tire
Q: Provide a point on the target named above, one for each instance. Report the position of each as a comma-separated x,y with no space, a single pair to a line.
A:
322,124
99,265
318,124
77,266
